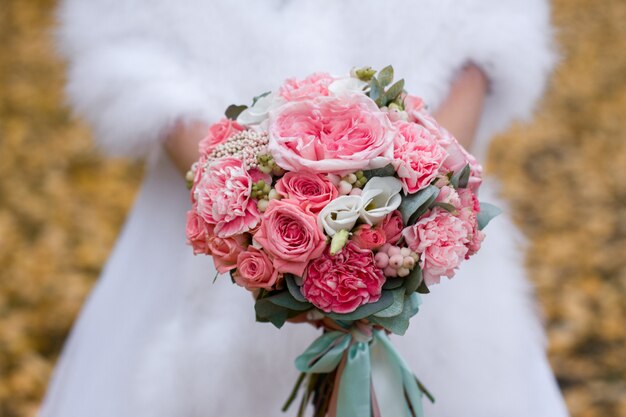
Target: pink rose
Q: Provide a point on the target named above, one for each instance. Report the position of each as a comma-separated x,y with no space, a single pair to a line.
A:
315,85
218,133
393,225
458,158
417,156
440,238
312,191
368,237
330,134
223,198
197,232
255,270
226,250
290,235
342,283
469,207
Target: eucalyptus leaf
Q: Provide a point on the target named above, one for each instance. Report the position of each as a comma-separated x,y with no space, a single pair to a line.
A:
393,283
397,306
386,171
423,289
461,178
446,206
279,318
400,323
413,280
260,96
286,300
376,90
394,91
414,205
233,111
385,76
294,289
486,214
366,310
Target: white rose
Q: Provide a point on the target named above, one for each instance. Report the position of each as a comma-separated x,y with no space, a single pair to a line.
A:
259,112
346,86
340,214
381,196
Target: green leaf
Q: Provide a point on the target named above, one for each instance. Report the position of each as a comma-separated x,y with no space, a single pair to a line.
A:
414,205
294,288
260,96
233,111
400,323
446,206
267,311
394,92
286,300
376,90
461,178
386,299
393,283
413,280
365,74
395,308
486,214
385,76
423,289
386,171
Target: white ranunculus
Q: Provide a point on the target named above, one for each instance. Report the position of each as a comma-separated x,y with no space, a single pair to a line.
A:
348,85
259,112
381,196
340,214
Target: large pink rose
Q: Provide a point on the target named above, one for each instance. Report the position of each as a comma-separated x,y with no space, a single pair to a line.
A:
368,237
315,85
223,198
393,225
197,232
255,270
441,240
458,158
417,156
226,250
343,282
290,235
218,133
312,191
330,134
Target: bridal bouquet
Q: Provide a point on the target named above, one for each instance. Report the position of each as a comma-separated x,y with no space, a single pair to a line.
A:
336,201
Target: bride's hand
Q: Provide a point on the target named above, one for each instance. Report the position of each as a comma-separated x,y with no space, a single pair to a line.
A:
460,112
182,144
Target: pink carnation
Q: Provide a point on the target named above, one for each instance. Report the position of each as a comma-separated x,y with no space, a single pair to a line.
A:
417,156
226,250
218,133
329,134
343,282
458,158
441,240
368,237
469,208
223,198
290,235
312,191
255,270
315,85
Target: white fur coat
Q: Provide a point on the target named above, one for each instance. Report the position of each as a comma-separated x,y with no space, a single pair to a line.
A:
156,338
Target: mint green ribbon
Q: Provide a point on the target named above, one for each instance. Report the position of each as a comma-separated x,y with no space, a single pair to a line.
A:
369,363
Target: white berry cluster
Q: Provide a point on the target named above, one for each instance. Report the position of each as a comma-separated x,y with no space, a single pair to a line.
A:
245,145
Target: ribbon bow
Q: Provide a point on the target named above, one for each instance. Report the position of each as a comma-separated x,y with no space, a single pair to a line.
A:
372,378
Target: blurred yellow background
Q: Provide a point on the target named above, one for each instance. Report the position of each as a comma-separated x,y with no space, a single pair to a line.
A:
61,205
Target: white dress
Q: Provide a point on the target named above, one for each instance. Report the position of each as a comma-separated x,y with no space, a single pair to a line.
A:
156,337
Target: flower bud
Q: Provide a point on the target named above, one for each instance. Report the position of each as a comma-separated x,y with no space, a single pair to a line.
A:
344,187
338,241
351,178
262,205
274,195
